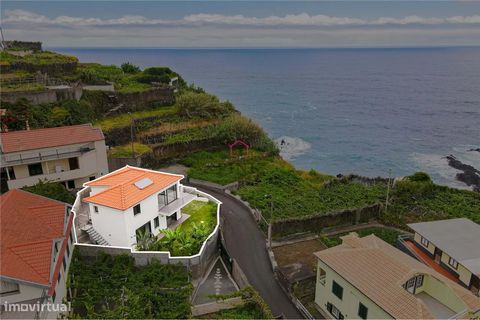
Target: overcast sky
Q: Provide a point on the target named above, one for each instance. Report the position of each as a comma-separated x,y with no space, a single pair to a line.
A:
203,24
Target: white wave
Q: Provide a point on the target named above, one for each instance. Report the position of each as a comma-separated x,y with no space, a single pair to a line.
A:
291,147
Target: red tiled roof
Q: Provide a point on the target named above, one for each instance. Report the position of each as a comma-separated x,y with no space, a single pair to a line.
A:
28,225
23,140
122,193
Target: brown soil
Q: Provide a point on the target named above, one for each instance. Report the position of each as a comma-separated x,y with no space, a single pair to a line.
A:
299,252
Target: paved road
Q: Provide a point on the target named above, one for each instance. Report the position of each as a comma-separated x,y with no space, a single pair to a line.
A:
246,243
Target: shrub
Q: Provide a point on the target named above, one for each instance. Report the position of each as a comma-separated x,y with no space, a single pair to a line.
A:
420,177
128,67
52,190
202,105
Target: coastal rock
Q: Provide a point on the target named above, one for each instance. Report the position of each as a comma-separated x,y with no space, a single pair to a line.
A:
470,175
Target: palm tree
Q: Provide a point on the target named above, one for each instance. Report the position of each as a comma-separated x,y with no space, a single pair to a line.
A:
145,240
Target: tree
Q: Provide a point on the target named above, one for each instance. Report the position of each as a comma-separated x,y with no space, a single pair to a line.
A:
52,190
128,67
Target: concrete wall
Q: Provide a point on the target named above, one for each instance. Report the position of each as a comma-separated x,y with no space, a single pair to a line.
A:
110,224
464,275
430,248
443,293
348,306
53,95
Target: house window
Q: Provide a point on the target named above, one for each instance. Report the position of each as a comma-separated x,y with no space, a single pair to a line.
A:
322,276
334,311
453,263
7,288
337,290
95,209
156,223
64,264
68,250
71,236
91,178
55,250
59,277
71,184
73,163
362,311
419,281
35,169
11,173
54,295
424,242
136,210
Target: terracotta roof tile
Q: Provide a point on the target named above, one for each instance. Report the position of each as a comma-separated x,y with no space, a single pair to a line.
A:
28,225
15,141
122,193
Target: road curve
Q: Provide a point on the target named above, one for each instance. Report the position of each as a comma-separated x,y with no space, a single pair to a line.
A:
246,244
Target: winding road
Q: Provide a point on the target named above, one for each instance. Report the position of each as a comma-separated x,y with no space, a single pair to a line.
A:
246,244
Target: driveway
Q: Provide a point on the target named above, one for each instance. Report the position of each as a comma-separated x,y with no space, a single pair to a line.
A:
246,243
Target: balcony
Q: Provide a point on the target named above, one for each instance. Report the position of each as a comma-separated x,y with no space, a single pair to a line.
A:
8,160
184,199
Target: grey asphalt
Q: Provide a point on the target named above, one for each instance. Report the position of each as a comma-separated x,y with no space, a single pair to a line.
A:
246,244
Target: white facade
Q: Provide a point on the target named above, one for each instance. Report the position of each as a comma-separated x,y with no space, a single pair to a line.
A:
119,228
72,164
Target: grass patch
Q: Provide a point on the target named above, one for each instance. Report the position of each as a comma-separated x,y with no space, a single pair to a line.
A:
201,213
22,87
125,151
112,287
37,58
124,120
414,201
218,167
388,235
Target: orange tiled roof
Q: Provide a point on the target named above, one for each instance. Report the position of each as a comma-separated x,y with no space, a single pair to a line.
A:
122,193
23,140
379,270
28,225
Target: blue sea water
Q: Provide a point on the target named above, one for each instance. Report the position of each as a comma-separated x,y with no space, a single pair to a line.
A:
367,111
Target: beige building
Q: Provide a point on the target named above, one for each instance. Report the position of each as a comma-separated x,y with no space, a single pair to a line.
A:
454,245
72,155
366,278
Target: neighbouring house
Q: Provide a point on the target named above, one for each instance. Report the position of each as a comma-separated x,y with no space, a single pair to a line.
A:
366,278
36,249
129,202
453,245
71,155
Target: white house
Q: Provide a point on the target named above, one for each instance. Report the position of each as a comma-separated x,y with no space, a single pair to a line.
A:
132,200
36,249
71,155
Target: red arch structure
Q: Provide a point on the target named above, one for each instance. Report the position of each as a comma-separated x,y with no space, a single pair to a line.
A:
236,143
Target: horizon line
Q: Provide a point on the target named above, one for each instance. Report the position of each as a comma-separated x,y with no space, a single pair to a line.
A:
267,48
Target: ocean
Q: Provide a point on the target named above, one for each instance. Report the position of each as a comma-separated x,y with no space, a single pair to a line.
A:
374,112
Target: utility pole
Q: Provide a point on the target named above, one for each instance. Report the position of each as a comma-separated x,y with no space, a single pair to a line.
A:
388,189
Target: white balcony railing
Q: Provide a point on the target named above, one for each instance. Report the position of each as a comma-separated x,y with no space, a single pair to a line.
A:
174,206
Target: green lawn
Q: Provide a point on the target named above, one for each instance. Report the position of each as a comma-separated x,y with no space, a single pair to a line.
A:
387,235
125,119
200,213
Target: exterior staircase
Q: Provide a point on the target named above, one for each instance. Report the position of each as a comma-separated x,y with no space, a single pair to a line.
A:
95,237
